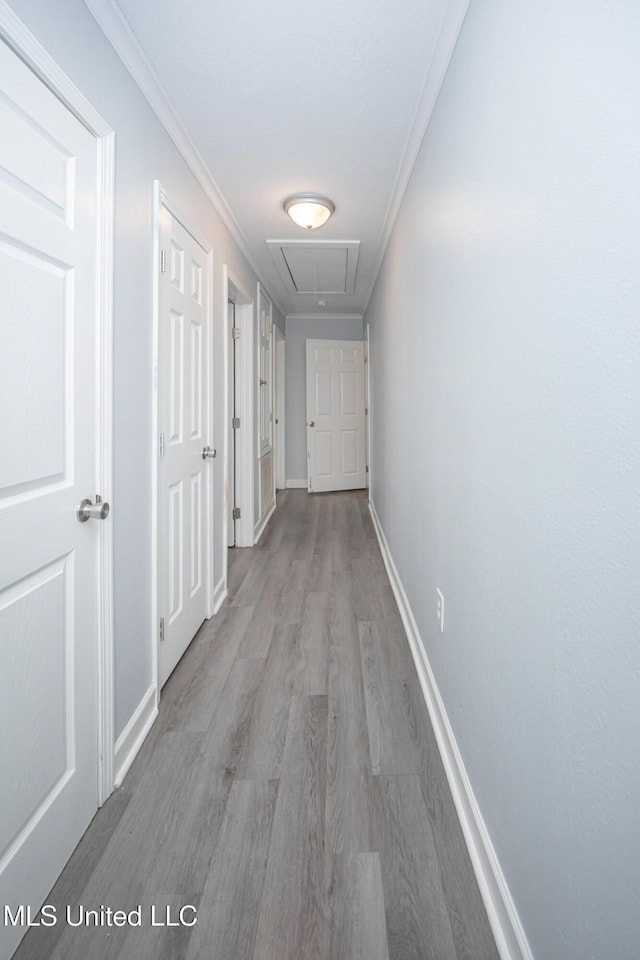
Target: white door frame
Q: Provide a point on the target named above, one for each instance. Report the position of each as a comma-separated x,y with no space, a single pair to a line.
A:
160,200
279,474
21,40
367,399
233,290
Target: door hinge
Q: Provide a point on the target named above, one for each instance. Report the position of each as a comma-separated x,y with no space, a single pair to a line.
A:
161,447
236,513
235,423
366,411
235,333
366,469
163,261
161,629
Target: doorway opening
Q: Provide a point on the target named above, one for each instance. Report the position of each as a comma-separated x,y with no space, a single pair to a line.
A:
234,424
239,419
279,389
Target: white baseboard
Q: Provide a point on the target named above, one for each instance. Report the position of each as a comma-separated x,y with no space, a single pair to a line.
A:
133,735
219,594
505,923
297,484
261,525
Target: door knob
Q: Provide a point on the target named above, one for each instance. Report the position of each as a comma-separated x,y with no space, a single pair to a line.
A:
88,510
312,423
208,452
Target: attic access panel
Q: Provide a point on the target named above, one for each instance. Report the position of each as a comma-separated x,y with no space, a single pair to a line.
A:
316,267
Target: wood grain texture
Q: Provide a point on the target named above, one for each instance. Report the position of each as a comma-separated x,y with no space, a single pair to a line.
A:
258,636
228,909
393,738
206,671
225,740
291,788
42,941
357,922
367,584
292,923
239,561
418,924
348,753
261,751
311,675
469,924
176,790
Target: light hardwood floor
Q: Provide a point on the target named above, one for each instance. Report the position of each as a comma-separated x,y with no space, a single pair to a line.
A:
291,788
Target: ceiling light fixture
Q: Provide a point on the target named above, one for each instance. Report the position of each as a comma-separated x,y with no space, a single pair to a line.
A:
309,210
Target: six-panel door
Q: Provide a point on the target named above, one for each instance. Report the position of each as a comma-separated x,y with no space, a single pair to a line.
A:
184,477
335,415
48,561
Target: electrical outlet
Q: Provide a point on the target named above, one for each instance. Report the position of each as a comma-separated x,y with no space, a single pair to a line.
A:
440,610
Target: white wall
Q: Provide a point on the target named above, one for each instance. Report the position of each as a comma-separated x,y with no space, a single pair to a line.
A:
298,332
143,152
506,447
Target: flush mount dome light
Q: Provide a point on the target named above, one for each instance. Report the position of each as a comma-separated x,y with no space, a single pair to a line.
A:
309,210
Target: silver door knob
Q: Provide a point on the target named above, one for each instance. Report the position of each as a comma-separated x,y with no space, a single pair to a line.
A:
208,452
88,510
312,423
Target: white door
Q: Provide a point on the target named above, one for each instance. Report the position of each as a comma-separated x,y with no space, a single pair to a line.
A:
185,476
231,426
265,395
336,448
279,433
49,569
367,399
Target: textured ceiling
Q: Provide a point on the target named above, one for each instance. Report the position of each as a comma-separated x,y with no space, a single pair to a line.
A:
296,95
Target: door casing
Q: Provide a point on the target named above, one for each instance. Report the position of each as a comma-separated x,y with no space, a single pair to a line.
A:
244,374
279,405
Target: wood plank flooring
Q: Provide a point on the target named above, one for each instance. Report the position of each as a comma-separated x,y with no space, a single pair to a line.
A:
291,789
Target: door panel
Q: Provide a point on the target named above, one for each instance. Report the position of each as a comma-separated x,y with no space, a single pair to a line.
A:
335,415
196,379
48,561
324,396
176,550
324,454
349,452
184,476
36,299
195,535
348,394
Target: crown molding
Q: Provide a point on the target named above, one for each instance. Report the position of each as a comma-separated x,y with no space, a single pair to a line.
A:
323,316
450,26
116,29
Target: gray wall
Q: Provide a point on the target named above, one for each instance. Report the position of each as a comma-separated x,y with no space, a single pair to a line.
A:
298,331
505,362
143,152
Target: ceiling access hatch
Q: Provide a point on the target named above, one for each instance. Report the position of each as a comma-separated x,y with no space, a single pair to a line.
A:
316,266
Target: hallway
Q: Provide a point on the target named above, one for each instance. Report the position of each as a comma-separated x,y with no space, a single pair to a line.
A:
291,789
